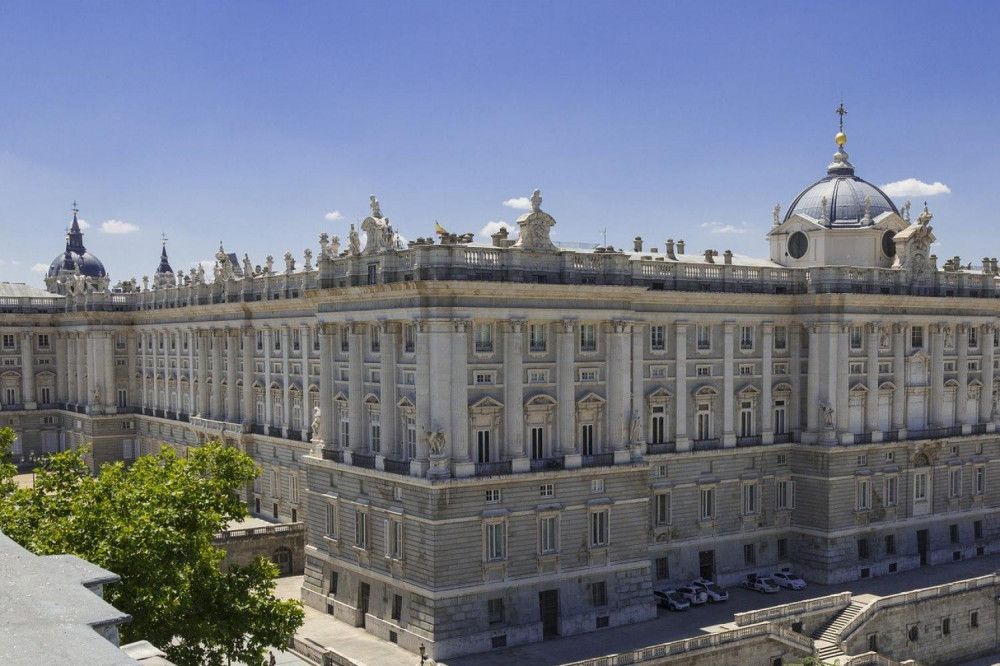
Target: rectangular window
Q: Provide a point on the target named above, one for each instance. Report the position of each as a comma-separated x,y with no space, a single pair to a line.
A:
657,338
394,539
484,338
973,337
658,424
43,341
493,496
495,610
372,273
974,619
890,544
885,368
857,336
483,378
955,482
599,528
946,626
411,437
538,376
661,514
548,535
749,554
587,440
704,338
746,368
749,498
345,339
334,582
980,486
8,341
780,338
920,487
547,490
857,368
977,529
657,371
361,530
376,431
409,338
746,338
588,337
597,485
703,422
863,553
782,549
331,520
779,369
703,371
862,460
785,494
917,337
863,495
953,533
537,338
662,568
375,338
537,443
496,541
707,505
397,607
973,366
599,593
588,375
891,491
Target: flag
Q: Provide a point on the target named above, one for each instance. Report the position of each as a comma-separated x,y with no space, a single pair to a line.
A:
438,229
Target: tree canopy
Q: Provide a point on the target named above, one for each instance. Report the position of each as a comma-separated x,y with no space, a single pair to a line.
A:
153,523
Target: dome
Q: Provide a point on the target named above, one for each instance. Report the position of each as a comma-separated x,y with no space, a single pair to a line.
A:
846,196
76,256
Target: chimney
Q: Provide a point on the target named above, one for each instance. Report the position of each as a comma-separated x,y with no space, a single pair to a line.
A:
637,244
670,249
708,256
680,246
728,257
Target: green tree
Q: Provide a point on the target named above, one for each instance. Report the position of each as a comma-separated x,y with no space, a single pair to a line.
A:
152,523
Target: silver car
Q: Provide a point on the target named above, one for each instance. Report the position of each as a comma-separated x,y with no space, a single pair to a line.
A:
695,595
789,580
671,600
714,592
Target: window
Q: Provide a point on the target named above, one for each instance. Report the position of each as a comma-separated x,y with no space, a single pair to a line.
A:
588,337
953,533
749,554
547,490
707,504
704,338
746,368
484,378
703,371
890,456
334,582
863,553
661,509
538,376
946,626
597,485
885,368
949,366
483,445
45,395
375,338
599,528
890,490
974,619
750,498
890,544
973,337
913,633
779,421
658,424
779,369
409,377
409,338
974,366
746,338
657,371
785,494
372,273
920,487
537,338
394,539
493,496
599,593
746,418
128,449
345,340
980,485
660,470
495,610
863,495
293,488
917,336
977,529
856,337
548,535
537,443
780,338
496,541
662,568
588,375
376,431
331,520
703,421
862,460
43,341
397,607
8,341
657,338
587,440
361,530
483,334
781,459
857,368
955,482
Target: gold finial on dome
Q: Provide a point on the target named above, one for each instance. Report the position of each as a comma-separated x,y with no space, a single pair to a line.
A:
841,138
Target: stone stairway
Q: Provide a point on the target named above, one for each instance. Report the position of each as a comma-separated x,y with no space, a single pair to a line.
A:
826,635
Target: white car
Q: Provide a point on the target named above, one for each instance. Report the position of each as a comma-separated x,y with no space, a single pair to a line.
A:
695,595
714,592
671,600
757,583
789,580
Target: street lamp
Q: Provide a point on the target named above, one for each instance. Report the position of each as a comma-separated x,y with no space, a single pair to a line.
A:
423,654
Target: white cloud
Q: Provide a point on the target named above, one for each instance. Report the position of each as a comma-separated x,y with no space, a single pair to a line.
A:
911,187
520,203
2,262
334,215
720,228
491,228
40,268
118,227
84,225
15,262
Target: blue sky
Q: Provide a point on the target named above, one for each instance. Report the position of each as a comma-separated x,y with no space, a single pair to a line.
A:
250,122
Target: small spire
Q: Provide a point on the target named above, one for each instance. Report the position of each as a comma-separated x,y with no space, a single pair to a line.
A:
841,111
163,239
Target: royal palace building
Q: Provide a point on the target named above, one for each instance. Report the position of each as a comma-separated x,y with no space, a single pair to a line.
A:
494,443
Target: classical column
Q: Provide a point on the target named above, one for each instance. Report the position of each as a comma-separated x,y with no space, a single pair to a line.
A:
871,378
232,374
794,414
327,413
840,394
936,374
391,444
93,376
681,397
218,340
72,395
767,344
107,343
513,389
986,364
424,406
619,393
249,373
813,380
192,401
145,386
28,396
356,386
166,371
565,387
268,331
178,372
286,389
461,447
133,354
62,369
83,397
962,367
728,388
154,339
899,377
638,386
204,404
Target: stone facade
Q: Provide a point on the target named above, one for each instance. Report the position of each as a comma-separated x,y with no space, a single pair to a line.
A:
492,443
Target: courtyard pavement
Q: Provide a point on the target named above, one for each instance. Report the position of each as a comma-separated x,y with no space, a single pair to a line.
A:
364,650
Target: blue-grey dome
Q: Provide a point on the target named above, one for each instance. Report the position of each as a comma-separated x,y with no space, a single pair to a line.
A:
845,198
76,256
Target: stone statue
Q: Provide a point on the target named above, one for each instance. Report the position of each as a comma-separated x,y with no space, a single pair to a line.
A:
949,338
777,214
827,414
436,442
316,422
247,266
868,208
145,283
335,246
883,337
376,208
995,408
906,212
635,435
97,396
324,244
308,257
268,265
354,241
823,203
289,262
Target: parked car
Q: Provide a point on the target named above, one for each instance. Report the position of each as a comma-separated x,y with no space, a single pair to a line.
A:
757,583
671,600
695,595
714,592
789,580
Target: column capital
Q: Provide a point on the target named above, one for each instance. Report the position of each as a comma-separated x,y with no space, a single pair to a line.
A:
620,326
462,325
567,325
515,325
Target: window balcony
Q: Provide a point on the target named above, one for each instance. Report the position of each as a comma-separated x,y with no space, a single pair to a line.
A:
598,460
500,468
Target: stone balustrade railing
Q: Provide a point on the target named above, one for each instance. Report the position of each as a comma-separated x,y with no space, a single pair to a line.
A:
831,602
